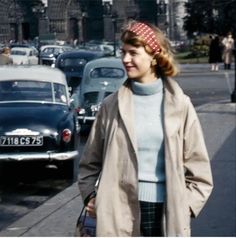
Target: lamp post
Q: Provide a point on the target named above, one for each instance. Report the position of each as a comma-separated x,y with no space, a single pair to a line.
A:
38,10
161,18
114,21
233,95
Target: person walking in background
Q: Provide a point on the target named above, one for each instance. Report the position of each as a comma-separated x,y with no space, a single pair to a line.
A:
228,43
5,56
215,53
145,147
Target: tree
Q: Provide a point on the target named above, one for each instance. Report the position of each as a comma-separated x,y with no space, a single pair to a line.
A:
210,16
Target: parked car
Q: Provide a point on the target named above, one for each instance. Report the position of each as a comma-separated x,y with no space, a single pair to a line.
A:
101,77
108,50
72,64
13,45
49,53
37,122
24,55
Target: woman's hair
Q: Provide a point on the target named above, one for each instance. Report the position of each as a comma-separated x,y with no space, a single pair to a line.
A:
165,63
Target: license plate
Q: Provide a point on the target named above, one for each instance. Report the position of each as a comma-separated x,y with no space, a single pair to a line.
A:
21,140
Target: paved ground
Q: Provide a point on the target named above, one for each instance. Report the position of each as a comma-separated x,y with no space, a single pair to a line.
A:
57,216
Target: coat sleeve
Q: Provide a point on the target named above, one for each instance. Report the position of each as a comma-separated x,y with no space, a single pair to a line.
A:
198,175
90,164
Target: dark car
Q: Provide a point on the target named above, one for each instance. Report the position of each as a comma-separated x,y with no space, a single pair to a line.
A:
101,78
36,120
72,64
49,53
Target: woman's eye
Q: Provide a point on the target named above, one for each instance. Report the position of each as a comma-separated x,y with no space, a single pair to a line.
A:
133,53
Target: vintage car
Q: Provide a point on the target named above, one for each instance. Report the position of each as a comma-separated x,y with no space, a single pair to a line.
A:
49,53
72,65
24,55
101,77
37,122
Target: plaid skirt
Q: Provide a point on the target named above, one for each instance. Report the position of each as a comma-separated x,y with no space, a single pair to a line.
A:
151,218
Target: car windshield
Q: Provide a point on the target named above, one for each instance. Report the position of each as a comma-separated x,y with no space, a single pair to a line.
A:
18,52
52,50
107,72
31,90
76,63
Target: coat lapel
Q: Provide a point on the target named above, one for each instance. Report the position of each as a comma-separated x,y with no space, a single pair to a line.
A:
125,105
172,107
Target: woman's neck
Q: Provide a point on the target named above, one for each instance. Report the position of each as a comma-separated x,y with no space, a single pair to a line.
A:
148,78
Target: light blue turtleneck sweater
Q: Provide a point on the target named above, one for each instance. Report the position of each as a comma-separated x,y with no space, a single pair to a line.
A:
148,124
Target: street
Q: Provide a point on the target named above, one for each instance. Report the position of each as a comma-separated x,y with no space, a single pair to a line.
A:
204,87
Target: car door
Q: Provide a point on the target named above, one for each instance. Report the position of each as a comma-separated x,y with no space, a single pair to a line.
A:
33,59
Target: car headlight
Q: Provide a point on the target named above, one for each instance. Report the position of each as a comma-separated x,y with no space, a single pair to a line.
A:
95,108
80,110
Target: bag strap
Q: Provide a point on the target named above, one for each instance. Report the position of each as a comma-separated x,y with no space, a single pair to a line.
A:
83,211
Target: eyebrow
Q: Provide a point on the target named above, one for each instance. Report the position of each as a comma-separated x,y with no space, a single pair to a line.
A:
130,50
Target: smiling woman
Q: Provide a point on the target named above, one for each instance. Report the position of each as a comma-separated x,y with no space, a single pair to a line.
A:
143,147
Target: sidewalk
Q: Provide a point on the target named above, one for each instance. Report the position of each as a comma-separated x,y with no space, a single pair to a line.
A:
203,68
57,216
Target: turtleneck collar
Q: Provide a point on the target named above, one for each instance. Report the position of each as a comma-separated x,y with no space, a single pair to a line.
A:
147,88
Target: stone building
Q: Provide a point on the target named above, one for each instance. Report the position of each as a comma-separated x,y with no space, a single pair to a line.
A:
85,20
75,19
16,21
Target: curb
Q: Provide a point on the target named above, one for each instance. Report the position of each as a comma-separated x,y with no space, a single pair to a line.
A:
32,223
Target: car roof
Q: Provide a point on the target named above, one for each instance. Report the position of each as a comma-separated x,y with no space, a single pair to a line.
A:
25,49
55,46
32,72
81,53
104,62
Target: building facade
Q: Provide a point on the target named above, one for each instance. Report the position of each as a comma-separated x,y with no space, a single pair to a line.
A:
84,20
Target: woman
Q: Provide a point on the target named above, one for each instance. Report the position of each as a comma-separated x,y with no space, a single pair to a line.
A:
215,56
228,43
146,147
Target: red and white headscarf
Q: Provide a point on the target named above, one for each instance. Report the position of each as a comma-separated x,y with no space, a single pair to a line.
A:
147,35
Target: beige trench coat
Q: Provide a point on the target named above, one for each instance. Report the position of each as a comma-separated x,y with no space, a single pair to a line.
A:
112,147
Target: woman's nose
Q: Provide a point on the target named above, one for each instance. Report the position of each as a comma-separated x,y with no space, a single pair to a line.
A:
126,58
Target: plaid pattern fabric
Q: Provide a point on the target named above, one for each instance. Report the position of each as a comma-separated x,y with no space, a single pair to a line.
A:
151,218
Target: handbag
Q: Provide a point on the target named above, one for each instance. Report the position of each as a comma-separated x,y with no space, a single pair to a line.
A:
86,225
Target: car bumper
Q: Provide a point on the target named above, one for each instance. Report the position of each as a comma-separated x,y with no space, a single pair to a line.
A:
50,156
86,119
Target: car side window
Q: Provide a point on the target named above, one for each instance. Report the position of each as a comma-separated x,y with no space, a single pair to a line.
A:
60,93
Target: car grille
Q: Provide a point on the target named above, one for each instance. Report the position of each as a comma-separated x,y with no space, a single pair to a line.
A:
47,62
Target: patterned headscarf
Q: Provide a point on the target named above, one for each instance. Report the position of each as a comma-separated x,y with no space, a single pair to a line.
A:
147,35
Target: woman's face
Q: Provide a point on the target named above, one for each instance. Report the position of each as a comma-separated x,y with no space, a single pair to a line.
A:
137,63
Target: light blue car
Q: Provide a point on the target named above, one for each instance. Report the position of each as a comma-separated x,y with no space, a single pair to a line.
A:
101,77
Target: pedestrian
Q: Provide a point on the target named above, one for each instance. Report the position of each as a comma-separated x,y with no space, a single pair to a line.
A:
228,43
146,149
215,55
5,56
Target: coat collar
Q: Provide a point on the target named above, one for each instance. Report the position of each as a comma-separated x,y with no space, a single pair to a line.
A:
173,97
